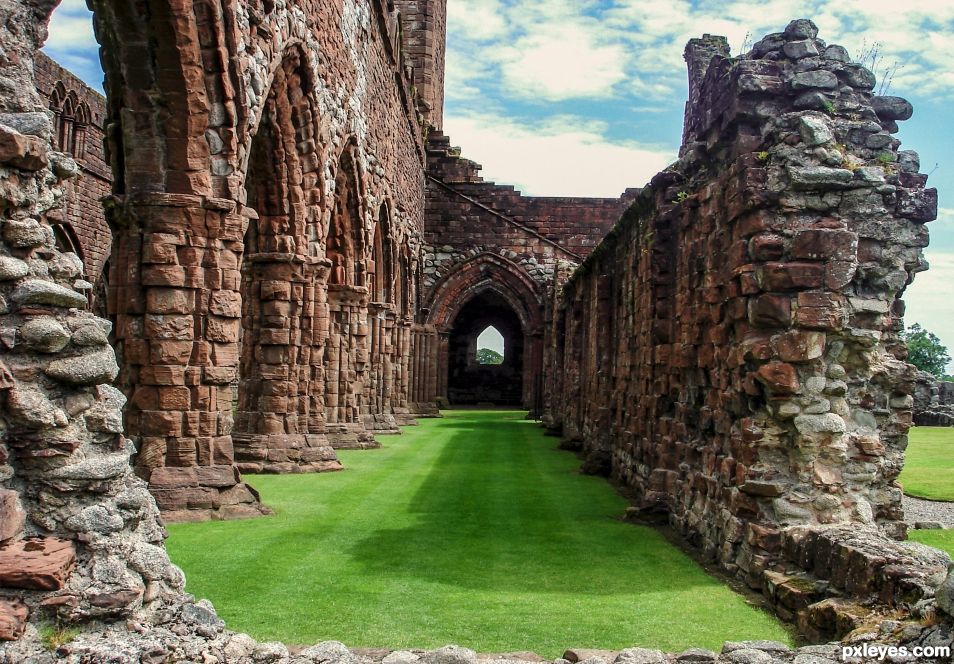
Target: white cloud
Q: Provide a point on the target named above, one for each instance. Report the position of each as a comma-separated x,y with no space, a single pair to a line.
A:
563,61
463,75
929,300
478,20
71,28
559,157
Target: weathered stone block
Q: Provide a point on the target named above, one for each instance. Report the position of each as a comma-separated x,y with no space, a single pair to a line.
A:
800,346
771,310
13,617
173,478
37,563
791,276
779,377
12,516
825,244
168,301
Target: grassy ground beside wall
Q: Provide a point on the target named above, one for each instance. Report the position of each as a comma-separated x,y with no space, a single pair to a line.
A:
941,539
473,529
929,463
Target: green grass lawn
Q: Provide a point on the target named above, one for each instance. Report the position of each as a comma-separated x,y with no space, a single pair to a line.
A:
941,539
929,463
473,529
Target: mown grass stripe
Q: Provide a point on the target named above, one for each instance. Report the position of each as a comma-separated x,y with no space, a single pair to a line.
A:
473,529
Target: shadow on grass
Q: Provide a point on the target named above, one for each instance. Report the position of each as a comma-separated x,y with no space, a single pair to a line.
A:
497,515
472,529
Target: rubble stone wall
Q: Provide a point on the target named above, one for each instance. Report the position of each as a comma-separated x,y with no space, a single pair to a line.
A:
933,401
80,536
730,351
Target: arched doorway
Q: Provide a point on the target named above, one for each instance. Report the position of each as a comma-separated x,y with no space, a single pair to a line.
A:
350,285
485,291
494,378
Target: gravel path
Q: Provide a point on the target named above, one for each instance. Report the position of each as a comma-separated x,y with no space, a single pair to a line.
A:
920,510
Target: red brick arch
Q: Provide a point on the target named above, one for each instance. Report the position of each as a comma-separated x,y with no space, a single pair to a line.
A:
482,273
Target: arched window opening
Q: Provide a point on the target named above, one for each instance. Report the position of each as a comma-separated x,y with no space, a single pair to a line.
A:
66,240
71,119
402,284
67,118
490,347
81,122
344,246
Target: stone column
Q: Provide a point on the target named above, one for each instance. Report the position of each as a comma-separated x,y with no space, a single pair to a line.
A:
347,367
274,431
174,293
379,417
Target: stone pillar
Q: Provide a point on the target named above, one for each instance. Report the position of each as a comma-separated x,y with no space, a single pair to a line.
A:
347,367
379,417
423,371
403,397
275,430
174,293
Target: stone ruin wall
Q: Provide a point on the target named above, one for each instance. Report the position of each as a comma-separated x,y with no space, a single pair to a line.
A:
81,538
933,401
303,179
424,41
730,353
482,236
80,534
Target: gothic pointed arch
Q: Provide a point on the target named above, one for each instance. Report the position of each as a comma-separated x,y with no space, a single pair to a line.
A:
381,275
344,239
280,410
485,271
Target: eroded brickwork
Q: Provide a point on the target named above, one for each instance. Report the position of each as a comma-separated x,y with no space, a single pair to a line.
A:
730,351
272,238
424,41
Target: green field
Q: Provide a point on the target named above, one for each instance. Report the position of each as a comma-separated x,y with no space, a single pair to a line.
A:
473,529
941,539
929,463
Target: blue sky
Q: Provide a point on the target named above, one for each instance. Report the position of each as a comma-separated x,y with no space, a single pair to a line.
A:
585,97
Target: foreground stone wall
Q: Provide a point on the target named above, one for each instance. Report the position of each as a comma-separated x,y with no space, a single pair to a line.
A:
730,352
80,536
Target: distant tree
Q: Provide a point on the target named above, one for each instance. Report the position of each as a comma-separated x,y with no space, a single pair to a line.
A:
489,356
925,351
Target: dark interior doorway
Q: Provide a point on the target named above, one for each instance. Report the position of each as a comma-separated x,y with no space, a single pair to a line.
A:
471,379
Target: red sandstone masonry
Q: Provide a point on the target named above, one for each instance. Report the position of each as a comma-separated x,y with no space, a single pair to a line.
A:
258,262
485,237
730,351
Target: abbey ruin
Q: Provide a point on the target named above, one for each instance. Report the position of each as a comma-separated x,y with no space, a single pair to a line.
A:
291,257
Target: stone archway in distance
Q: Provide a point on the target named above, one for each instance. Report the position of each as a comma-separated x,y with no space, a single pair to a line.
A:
510,300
